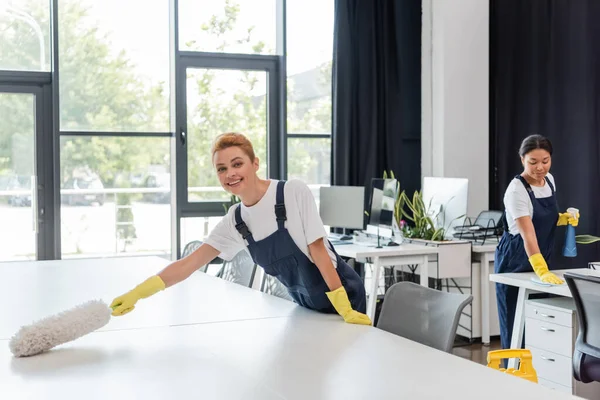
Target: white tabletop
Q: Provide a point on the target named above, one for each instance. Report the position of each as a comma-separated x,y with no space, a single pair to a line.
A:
358,250
523,279
300,357
34,290
237,343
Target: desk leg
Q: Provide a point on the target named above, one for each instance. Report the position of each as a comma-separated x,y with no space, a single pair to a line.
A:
517,334
372,301
425,271
485,299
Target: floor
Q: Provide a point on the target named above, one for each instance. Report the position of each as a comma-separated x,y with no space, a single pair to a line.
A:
476,351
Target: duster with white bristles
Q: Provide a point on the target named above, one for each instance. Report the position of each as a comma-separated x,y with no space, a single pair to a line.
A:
61,328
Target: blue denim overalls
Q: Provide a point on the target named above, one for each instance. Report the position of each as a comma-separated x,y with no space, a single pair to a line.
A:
511,256
279,256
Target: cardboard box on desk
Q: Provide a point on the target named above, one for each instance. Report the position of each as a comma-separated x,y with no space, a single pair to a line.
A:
453,258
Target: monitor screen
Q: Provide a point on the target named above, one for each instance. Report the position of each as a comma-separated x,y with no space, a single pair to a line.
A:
342,206
446,201
383,199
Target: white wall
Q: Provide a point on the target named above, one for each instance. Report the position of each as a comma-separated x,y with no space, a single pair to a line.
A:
455,94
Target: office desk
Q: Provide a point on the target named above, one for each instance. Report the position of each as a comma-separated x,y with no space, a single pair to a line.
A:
404,254
523,281
287,354
36,289
485,254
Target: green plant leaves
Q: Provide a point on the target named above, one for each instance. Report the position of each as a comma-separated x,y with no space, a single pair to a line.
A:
586,239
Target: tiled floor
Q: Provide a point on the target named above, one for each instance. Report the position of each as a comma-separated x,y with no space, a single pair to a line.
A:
476,351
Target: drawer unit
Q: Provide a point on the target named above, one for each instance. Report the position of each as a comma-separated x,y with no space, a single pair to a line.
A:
552,311
550,333
555,338
552,367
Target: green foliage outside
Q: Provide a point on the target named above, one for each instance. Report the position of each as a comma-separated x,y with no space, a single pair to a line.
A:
100,90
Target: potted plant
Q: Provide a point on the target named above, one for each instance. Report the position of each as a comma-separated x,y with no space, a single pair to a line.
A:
414,210
454,256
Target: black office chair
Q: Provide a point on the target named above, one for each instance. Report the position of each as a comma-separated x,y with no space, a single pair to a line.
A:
586,356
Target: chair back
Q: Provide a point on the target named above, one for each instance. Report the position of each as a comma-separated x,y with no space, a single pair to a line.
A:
273,286
240,269
421,314
193,246
586,356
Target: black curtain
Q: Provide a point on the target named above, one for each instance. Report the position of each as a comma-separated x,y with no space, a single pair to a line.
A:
377,92
544,78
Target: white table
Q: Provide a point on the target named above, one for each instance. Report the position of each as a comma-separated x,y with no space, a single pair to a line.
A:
404,254
522,280
36,289
289,353
485,254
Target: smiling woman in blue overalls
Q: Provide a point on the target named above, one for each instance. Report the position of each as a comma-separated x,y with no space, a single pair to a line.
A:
278,222
531,216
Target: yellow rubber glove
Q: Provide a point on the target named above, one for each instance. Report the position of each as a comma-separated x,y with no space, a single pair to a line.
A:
339,299
567,218
126,303
541,270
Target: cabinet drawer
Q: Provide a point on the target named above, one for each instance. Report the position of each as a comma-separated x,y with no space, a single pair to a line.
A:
550,337
554,386
552,367
537,311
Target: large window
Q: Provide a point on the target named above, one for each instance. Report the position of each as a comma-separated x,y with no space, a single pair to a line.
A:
309,57
228,26
114,65
135,113
115,195
25,35
17,170
220,101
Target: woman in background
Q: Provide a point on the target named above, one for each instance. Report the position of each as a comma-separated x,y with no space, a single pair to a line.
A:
531,216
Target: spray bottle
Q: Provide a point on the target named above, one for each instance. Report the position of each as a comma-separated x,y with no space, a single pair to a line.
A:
570,247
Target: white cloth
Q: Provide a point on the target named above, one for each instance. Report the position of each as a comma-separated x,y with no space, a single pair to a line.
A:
303,221
518,204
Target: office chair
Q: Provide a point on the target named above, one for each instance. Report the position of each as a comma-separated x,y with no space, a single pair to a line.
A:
586,356
421,314
193,246
273,286
240,269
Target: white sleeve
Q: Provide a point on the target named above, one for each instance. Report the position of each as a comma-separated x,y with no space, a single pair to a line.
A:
516,201
309,214
225,238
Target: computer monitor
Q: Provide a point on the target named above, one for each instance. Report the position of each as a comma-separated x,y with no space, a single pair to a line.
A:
342,206
445,200
383,199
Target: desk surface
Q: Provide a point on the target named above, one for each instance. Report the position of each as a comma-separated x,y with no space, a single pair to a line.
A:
35,290
300,357
280,351
358,250
523,279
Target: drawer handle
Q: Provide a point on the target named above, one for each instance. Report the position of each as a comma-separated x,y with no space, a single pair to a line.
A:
548,359
547,329
547,316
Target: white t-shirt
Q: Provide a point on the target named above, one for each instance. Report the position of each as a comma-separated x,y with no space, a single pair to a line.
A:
303,221
518,204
